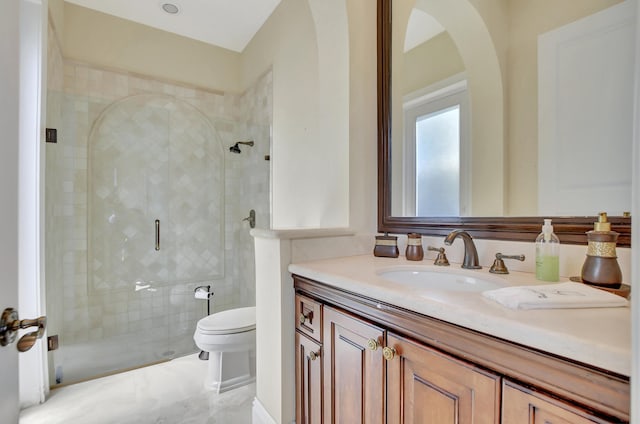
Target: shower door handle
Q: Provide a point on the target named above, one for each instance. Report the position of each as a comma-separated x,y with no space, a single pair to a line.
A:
157,234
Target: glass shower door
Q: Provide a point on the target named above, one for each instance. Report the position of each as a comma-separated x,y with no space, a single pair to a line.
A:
134,241
129,167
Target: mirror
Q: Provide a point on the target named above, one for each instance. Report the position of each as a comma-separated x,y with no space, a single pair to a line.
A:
497,197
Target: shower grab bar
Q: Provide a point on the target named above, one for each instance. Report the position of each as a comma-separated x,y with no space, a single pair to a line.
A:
157,234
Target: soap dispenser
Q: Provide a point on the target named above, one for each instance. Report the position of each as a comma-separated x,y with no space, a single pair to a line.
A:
547,254
601,265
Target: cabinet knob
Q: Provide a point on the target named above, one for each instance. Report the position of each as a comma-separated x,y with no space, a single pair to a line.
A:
389,353
313,355
303,318
372,344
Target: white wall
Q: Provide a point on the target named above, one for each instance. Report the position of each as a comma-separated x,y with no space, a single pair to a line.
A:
363,116
303,42
114,43
275,250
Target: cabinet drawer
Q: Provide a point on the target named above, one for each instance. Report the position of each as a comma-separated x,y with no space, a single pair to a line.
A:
523,405
309,317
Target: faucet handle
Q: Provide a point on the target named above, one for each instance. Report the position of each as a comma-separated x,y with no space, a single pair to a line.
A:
251,218
441,259
499,267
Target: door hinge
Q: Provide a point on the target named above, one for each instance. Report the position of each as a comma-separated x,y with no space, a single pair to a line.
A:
52,342
51,135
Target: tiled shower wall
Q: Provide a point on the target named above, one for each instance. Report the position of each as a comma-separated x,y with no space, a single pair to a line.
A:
105,330
248,184
156,196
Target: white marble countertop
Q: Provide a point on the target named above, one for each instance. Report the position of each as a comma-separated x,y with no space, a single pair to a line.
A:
600,337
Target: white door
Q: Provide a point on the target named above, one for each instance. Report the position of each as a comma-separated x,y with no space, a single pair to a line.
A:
586,80
9,95
21,69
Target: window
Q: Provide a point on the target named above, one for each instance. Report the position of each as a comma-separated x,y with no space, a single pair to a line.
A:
436,153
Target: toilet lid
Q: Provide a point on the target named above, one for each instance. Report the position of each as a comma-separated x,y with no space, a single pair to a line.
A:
230,321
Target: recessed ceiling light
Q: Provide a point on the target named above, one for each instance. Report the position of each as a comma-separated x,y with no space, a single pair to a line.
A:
170,8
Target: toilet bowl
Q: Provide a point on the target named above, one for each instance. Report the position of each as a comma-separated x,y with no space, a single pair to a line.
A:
230,338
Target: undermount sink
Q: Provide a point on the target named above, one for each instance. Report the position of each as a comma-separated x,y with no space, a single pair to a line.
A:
449,280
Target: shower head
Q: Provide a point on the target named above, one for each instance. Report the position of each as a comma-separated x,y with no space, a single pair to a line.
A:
236,149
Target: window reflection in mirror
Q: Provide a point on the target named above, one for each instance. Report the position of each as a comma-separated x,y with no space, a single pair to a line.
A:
438,162
436,151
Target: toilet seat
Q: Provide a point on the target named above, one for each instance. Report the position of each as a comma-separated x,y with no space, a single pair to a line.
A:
231,321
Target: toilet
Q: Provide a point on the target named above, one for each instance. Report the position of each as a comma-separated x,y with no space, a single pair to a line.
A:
230,338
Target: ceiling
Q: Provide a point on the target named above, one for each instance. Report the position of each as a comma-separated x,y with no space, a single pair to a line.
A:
421,28
225,23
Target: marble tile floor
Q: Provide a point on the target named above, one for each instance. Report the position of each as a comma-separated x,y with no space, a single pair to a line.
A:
169,393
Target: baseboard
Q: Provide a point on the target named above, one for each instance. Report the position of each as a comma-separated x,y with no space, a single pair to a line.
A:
260,415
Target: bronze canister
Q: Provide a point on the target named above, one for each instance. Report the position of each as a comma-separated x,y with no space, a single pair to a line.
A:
386,246
414,251
601,266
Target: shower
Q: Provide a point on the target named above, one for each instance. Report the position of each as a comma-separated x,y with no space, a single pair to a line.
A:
115,301
236,149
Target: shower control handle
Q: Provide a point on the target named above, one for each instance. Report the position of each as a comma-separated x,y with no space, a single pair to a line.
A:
157,234
251,218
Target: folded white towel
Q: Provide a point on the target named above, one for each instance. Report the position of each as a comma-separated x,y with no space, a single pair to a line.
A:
555,296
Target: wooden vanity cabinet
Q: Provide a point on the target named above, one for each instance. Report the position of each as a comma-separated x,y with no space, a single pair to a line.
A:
383,364
420,384
428,386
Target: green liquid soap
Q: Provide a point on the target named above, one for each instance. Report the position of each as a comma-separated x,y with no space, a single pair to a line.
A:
548,268
547,254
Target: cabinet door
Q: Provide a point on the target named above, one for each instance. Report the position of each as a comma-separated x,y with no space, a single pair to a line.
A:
426,386
353,370
522,405
308,381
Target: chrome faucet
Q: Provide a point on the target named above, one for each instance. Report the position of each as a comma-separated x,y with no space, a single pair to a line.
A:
470,260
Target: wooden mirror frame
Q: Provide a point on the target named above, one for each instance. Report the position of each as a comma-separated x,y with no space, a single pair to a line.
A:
570,230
